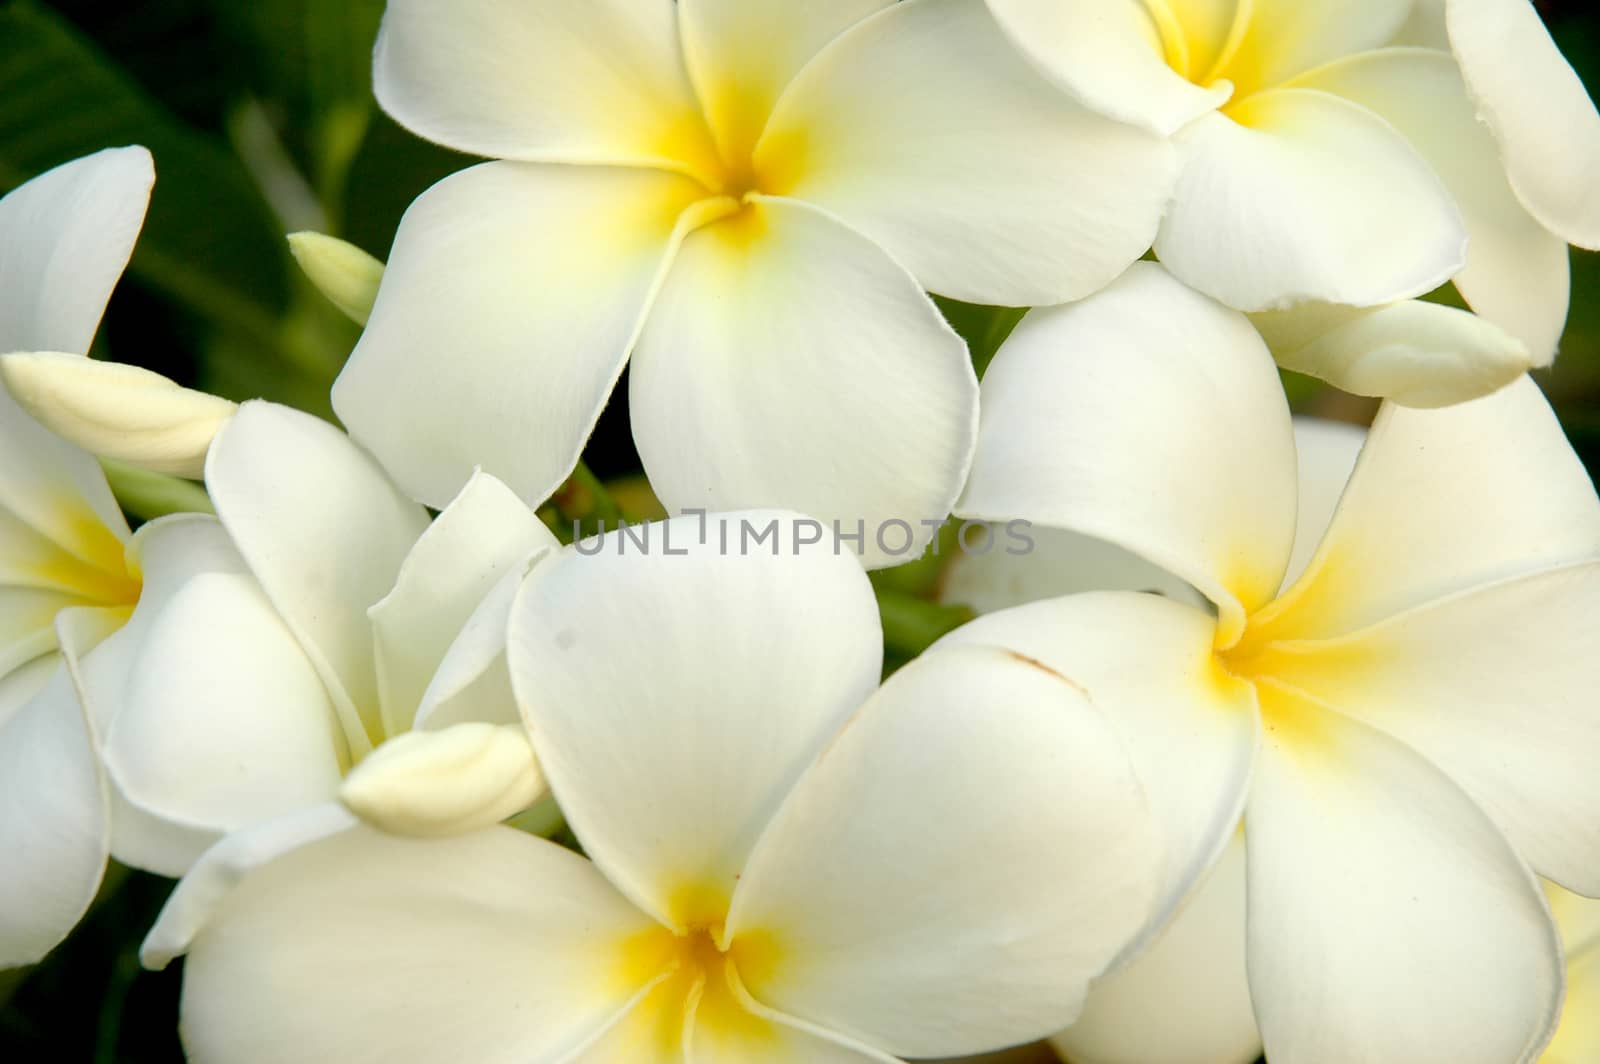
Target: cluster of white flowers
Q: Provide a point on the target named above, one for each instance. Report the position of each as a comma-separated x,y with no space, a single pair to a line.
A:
1298,798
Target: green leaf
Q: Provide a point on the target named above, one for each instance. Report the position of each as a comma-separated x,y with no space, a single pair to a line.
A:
209,241
983,328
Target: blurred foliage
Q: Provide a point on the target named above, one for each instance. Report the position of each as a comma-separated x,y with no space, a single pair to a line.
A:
260,117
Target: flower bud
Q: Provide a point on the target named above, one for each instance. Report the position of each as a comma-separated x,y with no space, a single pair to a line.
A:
341,271
117,411
428,784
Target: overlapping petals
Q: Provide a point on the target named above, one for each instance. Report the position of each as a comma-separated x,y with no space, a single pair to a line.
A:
733,911
938,159
1431,649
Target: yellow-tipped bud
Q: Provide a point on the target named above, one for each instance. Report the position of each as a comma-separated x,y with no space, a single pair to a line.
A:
119,412
348,276
430,784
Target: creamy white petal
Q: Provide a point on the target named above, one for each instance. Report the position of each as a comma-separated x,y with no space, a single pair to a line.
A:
1111,55
1415,353
547,80
118,411
1537,108
510,302
65,238
926,130
1578,1039
347,275
1327,452
1440,502
1388,917
61,531
221,719
325,531
1287,37
220,869
1147,663
1187,999
484,534
494,947
428,784
791,363
1151,417
1496,686
473,682
742,55
1048,563
54,826
1577,918
1516,273
1298,195
970,851
674,700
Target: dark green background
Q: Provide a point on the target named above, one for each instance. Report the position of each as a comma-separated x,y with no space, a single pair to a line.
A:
237,96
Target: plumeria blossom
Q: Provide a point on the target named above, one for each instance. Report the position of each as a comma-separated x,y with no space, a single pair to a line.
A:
67,575
1186,998
1334,150
748,197
785,862
1578,1039
285,649
1404,730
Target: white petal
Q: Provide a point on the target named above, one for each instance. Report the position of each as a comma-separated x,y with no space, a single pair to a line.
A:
484,534
1187,999
221,719
118,411
884,902
1578,1039
1148,665
325,532
1415,353
1033,563
548,80
1496,687
61,531
1532,100
1111,56
1577,918
1287,37
925,129
1516,273
791,363
674,700
1442,501
1388,918
473,682
220,869
428,784
1151,417
1328,451
65,238
53,817
348,276
510,302
741,56
493,947
1297,195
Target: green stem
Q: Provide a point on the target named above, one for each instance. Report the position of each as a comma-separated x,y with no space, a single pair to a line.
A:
147,496
911,625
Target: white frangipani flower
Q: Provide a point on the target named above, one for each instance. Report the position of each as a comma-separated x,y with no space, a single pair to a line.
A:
1404,729
785,862
1329,156
744,200
282,642
1185,999
67,576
